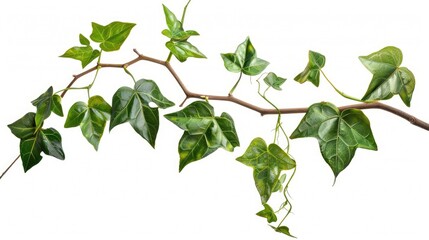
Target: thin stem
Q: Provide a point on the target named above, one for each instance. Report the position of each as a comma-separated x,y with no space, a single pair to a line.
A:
184,13
342,93
71,88
287,200
236,84
169,57
7,169
129,73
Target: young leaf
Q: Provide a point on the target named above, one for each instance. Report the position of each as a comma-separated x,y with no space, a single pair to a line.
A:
183,50
24,127
83,54
389,79
204,133
339,133
132,105
273,81
83,40
316,62
267,163
112,36
91,118
268,213
44,106
284,230
56,105
30,149
173,24
51,143
244,59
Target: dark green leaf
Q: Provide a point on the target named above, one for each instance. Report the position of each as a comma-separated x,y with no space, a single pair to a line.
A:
267,163
91,118
244,59
83,40
316,62
183,50
44,106
284,230
273,81
24,127
339,133
51,143
267,213
56,105
204,133
388,77
84,54
112,36
30,149
132,105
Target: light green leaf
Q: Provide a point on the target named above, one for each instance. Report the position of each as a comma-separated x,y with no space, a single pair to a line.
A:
44,106
83,40
267,213
255,67
316,62
204,133
84,54
339,133
132,105
30,149
173,24
231,63
24,127
51,143
267,163
388,78
273,81
284,230
112,36
76,114
183,50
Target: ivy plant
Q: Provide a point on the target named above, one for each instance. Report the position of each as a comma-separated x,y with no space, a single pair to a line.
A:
340,131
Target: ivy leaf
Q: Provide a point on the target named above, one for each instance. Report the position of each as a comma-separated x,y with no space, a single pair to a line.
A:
24,127
244,59
339,133
268,213
132,105
388,77
316,62
44,106
284,230
91,118
173,24
112,36
51,143
267,163
83,40
273,81
56,105
31,149
204,133
183,50
84,54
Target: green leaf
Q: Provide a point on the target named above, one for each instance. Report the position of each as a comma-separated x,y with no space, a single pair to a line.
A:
132,105
56,105
388,77
244,59
84,54
112,36
204,133
284,230
44,106
316,62
267,163
83,40
91,118
24,127
268,213
30,149
183,50
51,143
273,81
173,24
339,133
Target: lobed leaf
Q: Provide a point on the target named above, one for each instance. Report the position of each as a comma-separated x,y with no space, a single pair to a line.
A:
388,78
183,50
283,229
83,54
112,36
339,133
316,62
44,106
267,213
51,143
267,163
30,150
24,127
273,81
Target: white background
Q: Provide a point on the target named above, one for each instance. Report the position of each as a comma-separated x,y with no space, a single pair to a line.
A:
127,190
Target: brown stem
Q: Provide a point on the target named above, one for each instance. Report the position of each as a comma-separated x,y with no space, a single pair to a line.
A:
7,169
